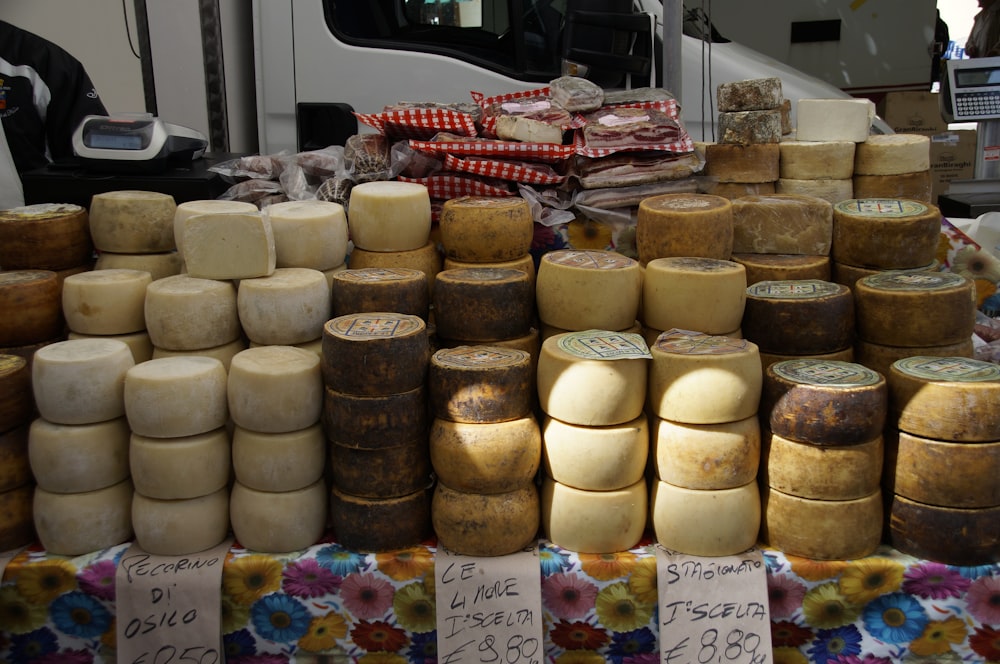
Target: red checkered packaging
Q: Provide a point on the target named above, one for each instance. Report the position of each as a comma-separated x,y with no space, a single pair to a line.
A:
420,123
454,185
514,171
443,143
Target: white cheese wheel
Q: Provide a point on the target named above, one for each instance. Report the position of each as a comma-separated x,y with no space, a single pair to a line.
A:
181,467
916,529
105,301
706,456
913,186
228,245
187,313
399,289
177,396
782,224
132,222
309,233
159,265
477,524
427,259
484,229
223,353
697,225
719,522
698,378
592,378
879,357
188,209
832,191
834,119
284,461
75,458
275,389
815,160
138,342
486,458
483,304
481,384
74,524
593,521
381,524
892,154
180,527
582,290
801,316
781,267
702,294
389,215
595,458
885,233
81,381
891,308
375,354
287,307
376,421
45,236
731,162
260,518
817,529
822,472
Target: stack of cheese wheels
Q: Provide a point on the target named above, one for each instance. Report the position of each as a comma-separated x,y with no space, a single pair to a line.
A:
699,294
485,449
893,166
311,234
187,315
390,226
78,447
902,314
134,230
109,303
286,308
822,169
179,453
592,388
487,231
692,225
30,311
798,318
363,290
228,245
736,169
704,392
943,459
375,411
17,408
822,458
484,305
46,236
188,209
275,397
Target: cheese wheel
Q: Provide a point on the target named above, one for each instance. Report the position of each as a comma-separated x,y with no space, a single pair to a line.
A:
821,529
582,290
76,458
81,381
734,190
913,464
17,527
824,402
525,263
16,405
706,456
15,467
782,224
180,527
845,355
188,209
702,294
106,301
484,229
530,343
834,119
782,267
832,191
389,215
699,225
178,396
592,378
159,265
377,421
132,222
289,306
822,472
483,304
30,307
593,521
275,389
486,458
849,274
187,313
308,233
892,154
480,384
913,186
749,95
376,353
381,524
719,522
880,357
228,245
885,233
799,316
891,308
72,524
484,525
602,458
750,127
403,290
381,472
427,259
180,467
284,461
260,518
730,162
44,236
698,378
814,160
138,342
948,535
224,353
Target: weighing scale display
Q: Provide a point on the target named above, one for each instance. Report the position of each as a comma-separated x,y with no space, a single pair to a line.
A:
975,88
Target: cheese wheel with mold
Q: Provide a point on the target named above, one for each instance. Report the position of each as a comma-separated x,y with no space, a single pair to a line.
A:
30,307
595,458
749,95
698,225
886,233
72,524
880,357
427,259
390,471
228,245
375,353
593,521
702,294
16,404
17,527
892,308
287,307
375,421
782,267
486,525
260,522
750,127
15,466
581,290
274,389
483,304
486,458
706,456
832,191
187,313
106,302
187,209
799,316
822,472
180,467
912,186
177,396
132,221
224,353
389,215
732,162
481,384
45,236
813,528
719,522
403,290
815,160
913,465
782,224
949,535
834,119
381,524
76,458
81,381
284,461
892,154
159,265
308,234
180,527
483,229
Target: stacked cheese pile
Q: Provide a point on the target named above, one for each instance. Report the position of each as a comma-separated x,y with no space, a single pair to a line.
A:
592,388
275,396
893,166
285,308
79,446
30,311
691,225
109,303
823,169
374,368
134,230
309,234
943,460
17,486
700,294
822,461
46,237
179,453
485,448
704,392
367,289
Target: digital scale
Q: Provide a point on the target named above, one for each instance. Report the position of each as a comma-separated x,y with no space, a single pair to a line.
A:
134,143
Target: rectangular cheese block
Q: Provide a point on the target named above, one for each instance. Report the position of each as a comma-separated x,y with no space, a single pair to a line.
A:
782,224
231,245
834,119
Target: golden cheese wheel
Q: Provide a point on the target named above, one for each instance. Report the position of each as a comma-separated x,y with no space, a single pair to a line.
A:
486,458
381,472
480,384
799,316
729,162
72,524
891,308
911,186
849,274
106,302
374,422
880,357
593,521
706,456
696,225
821,529
588,289
914,468
832,191
719,522
822,472
813,160
478,524
949,535
375,353
15,468
16,404
403,290
485,229
381,524
702,294
892,154
427,259
886,233
483,304
30,307
782,267
45,236
733,190
17,525
595,458
260,520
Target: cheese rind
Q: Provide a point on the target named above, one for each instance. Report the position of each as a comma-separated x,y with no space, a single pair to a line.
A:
177,396
180,467
813,528
228,245
375,421
187,313
481,384
381,524
260,518
283,461
485,525
832,191
15,467
814,160
719,522
427,259
892,154
389,216
16,405
782,224
581,290
30,307
969,483
781,267
885,233
891,308
822,472
132,222
308,233
702,294
698,225
730,162
45,236
916,529
381,472
138,342
880,357
180,527
912,186
275,389
483,304
593,521
357,347
486,458
403,290
159,265
706,456
289,306
72,524
223,353
76,458
801,317
750,127
81,381
17,528
106,302
595,458
480,229
188,209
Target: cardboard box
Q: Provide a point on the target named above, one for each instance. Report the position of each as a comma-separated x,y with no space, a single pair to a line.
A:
912,113
953,157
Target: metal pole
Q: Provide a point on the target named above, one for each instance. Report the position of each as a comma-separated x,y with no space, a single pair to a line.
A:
673,28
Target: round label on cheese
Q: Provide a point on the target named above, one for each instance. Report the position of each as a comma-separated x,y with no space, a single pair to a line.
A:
952,369
883,208
684,342
377,325
377,274
812,372
794,289
604,345
594,260
910,281
480,357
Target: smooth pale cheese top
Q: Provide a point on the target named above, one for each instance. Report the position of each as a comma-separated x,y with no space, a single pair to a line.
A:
130,221
229,245
389,215
834,119
188,209
176,396
579,290
310,233
816,160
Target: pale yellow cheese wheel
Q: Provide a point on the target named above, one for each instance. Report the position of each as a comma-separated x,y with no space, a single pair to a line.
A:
706,456
260,519
177,396
285,461
224,353
76,458
73,524
697,225
822,472
188,209
275,389
582,290
81,381
132,221
485,229
813,160
228,245
718,522
702,294
595,458
181,467
478,524
159,265
180,527
287,307
187,313
308,233
138,342
593,521
819,529
389,215
892,154
105,301
485,457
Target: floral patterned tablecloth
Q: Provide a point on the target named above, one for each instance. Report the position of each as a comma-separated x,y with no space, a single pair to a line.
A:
328,604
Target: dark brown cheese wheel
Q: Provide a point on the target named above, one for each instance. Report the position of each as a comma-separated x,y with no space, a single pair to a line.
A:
403,290
476,524
799,316
375,422
729,162
17,524
949,535
483,304
822,472
694,225
381,524
44,237
945,398
524,263
30,307
481,384
375,354
484,229
942,473
885,233
824,402
383,472
427,259
16,402
912,186
880,357
486,458
821,529
15,468
915,308
782,267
